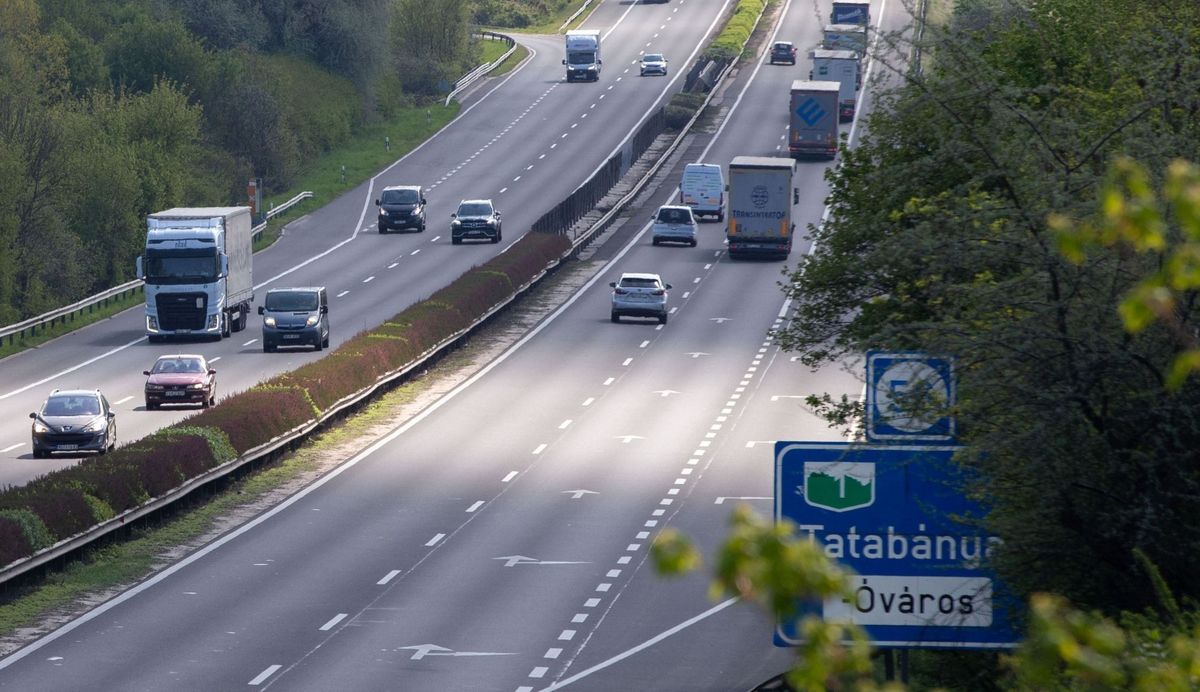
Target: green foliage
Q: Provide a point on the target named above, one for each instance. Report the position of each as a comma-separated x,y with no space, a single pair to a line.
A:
33,530
732,39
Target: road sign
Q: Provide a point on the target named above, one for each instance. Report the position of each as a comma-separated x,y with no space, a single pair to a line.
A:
896,383
894,515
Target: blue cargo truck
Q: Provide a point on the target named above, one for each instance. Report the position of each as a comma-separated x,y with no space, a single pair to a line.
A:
813,124
197,272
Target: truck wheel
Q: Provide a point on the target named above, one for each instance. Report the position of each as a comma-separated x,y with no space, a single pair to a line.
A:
243,318
226,328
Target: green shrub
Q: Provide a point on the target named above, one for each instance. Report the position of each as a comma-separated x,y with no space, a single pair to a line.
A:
33,531
733,37
255,416
13,543
62,508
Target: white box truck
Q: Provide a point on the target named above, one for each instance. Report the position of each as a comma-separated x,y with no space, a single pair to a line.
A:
839,66
760,207
813,124
845,37
703,189
851,12
583,55
197,272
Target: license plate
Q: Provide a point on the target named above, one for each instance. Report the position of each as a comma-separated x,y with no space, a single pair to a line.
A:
174,393
291,336
68,446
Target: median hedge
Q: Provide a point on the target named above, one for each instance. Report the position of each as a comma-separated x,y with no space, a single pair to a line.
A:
64,503
732,39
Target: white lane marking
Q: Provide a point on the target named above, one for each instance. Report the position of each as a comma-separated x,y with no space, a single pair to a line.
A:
552,653
579,617
686,294
516,178
503,190
70,370
434,541
554,145
603,588
341,294
262,677
612,574
645,344
538,672
333,621
608,381
627,362
721,500
591,603
475,506
118,402
248,343
12,447
529,167
540,448
541,157
369,279
641,647
388,577
588,401
565,424
511,475
213,360
435,238
414,252
566,635
392,265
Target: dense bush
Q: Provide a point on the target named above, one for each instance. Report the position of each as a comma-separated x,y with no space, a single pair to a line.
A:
60,505
733,37
13,543
257,415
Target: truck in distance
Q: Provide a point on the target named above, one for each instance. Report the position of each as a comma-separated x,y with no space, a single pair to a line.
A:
851,12
583,55
760,207
813,123
845,37
839,66
197,272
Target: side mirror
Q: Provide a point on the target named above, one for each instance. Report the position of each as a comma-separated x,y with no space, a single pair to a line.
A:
324,309
454,216
112,415
138,269
423,201
795,195
377,203
33,415
610,283
145,372
599,61
668,286
564,62
224,265
211,371
261,310
497,212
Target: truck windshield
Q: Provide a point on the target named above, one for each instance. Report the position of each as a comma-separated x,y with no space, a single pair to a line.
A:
181,266
580,57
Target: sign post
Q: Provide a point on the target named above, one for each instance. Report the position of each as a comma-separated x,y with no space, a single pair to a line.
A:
898,517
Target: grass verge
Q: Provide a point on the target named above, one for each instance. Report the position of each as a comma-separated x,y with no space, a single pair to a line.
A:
79,321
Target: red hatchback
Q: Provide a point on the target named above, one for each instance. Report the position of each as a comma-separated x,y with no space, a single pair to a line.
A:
182,378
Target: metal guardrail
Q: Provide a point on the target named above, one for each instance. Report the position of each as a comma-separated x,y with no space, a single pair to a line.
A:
469,78
100,300
575,16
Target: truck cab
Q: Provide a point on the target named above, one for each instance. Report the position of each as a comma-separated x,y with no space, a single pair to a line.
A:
583,55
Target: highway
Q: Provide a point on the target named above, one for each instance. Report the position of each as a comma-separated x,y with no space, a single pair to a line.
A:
526,143
499,539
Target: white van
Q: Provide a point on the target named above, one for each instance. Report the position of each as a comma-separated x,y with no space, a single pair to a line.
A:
703,189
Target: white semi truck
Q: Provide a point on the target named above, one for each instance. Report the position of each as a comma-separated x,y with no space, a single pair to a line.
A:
813,123
841,66
760,207
197,272
583,55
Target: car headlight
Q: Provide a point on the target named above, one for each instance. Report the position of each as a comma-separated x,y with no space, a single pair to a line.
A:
269,321
198,385
154,387
96,425
40,427
455,223
383,212
312,320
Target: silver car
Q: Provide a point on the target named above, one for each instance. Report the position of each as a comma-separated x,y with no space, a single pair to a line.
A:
639,295
653,63
674,224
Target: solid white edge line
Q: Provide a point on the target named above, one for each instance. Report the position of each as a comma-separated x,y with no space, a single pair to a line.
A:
640,647
73,368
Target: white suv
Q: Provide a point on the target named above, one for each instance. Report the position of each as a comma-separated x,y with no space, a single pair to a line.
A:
639,295
674,224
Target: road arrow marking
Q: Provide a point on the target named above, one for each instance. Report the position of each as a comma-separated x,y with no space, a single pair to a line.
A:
721,500
720,320
697,354
664,393
514,560
626,438
777,397
576,494
422,650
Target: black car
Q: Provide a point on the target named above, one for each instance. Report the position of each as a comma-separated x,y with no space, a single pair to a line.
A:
74,421
401,207
783,51
475,218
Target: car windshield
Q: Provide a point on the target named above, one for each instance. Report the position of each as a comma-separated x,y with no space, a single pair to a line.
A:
632,282
475,209
72,406
399,197
783,46
178,365
652,57
292,300
674,216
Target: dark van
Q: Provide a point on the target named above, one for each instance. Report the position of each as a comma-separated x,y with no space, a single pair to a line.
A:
295,317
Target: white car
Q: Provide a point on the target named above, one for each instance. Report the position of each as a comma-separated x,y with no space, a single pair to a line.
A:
653,63
639,295
674,224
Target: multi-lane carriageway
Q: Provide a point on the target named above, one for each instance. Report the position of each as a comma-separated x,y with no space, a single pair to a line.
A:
498,539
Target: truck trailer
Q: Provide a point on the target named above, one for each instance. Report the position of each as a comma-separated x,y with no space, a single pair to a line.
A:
839,66
845,37
813,124
851,12
760,207
583,55
197,272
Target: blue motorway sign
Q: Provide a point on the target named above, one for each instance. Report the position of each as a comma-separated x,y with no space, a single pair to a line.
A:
897,516
899,382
